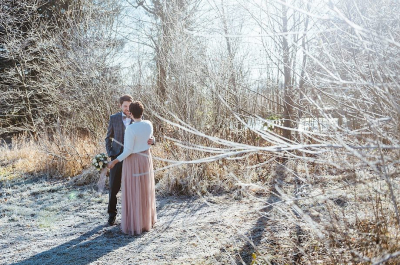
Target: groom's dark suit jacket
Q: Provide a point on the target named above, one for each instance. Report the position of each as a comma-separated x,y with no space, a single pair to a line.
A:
116,130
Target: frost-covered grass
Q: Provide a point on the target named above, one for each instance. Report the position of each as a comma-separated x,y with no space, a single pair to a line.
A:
331,217
53,222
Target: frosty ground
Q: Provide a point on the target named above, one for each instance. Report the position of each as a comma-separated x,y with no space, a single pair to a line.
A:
53,222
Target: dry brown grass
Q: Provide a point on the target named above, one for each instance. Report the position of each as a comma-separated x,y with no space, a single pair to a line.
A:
221,176
69,156
61,156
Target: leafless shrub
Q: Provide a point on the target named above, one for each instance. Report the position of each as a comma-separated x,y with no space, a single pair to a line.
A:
59,66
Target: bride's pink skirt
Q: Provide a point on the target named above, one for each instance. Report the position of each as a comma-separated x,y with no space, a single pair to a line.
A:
138,195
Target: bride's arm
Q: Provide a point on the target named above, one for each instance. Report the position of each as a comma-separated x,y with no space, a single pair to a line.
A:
129,140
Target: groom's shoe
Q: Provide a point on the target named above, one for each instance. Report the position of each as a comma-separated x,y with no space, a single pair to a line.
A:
111,220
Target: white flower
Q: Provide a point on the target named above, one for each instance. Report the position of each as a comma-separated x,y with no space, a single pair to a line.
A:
99,161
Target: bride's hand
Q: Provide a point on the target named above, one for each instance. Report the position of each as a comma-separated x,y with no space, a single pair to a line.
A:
112,163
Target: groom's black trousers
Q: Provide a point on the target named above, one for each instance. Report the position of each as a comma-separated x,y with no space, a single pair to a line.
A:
115,186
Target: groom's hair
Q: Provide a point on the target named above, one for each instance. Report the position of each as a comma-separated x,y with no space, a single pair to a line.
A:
136,108
128,98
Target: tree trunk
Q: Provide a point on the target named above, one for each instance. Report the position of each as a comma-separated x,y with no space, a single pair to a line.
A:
287,88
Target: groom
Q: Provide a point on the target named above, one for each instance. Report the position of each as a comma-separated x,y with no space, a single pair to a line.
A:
115,137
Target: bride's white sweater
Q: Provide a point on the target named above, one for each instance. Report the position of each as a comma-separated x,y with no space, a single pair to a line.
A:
136,136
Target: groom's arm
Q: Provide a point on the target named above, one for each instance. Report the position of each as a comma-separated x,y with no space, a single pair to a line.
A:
151,141
109,136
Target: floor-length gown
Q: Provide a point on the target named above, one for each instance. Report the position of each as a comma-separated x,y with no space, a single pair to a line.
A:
138,194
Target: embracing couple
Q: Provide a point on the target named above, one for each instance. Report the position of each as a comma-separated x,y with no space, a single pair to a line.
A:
128,142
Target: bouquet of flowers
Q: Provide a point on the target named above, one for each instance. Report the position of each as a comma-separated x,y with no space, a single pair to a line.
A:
100,163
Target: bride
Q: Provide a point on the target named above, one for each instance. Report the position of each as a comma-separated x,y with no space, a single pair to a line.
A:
138,193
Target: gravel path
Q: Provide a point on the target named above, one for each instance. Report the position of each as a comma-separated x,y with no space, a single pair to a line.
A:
51,222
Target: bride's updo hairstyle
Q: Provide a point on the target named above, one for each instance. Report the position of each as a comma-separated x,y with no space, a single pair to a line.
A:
136,108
